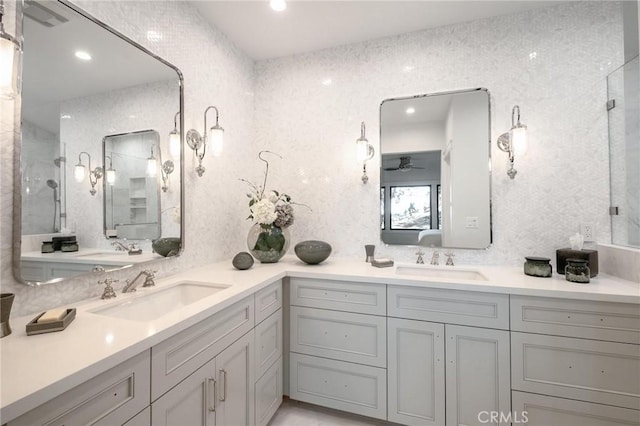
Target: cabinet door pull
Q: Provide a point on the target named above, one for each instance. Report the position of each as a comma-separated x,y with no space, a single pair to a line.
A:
223,380
210,394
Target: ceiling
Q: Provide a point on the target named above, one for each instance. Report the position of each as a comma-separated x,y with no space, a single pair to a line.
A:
309,25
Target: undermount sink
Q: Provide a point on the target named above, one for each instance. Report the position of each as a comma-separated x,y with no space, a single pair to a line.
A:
450,272
153,305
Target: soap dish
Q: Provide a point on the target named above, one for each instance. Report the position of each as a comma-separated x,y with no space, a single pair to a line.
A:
48,327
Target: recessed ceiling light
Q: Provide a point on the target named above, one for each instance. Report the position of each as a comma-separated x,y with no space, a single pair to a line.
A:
154,35
278,5
408,68
410,110
533,55
327,82
83,55
65,117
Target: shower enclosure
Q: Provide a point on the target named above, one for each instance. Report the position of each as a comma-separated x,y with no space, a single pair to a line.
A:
623,87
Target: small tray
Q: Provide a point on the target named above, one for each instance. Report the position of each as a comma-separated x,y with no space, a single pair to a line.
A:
48,327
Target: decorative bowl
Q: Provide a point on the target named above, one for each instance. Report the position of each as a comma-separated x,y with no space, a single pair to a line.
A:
312,251
166,246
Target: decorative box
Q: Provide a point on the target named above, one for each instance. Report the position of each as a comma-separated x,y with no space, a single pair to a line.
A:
591,256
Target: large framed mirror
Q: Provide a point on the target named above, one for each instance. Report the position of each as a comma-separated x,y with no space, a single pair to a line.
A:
98,112
435,177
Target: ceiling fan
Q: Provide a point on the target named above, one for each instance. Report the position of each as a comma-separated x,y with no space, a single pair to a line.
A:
405,165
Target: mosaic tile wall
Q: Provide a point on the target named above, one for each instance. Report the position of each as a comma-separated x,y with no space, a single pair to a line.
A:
552,62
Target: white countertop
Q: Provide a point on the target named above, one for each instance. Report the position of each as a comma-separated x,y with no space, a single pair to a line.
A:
34,369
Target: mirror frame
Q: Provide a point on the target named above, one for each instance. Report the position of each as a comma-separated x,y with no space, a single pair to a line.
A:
17,153
489,163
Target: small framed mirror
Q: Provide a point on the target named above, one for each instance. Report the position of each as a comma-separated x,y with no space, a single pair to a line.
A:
89,96
435,177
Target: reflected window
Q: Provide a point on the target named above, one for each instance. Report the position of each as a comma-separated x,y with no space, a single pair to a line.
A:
439,207
410,207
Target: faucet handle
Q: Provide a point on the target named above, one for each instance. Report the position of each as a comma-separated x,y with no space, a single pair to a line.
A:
419,253
108,293
450,257
151,274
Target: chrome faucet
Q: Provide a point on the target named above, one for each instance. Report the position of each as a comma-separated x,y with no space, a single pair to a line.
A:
435,257
132,248
131,285
419,260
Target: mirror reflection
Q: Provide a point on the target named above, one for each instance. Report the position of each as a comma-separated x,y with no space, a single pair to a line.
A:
131,186
434,176
82,81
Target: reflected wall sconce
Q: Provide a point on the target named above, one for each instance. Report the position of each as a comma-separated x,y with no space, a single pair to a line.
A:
174,138
198,142
364,152
10,58
514,142
110,173
166,168
79,172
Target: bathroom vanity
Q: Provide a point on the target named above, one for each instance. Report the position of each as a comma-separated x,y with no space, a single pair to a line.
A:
415,346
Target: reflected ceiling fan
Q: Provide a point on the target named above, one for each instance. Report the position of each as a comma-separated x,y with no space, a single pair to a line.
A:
405,165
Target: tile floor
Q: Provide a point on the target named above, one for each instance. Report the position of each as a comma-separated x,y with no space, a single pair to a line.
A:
294,413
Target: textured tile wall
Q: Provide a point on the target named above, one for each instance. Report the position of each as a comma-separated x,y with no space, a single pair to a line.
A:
215,72
286,108
552,62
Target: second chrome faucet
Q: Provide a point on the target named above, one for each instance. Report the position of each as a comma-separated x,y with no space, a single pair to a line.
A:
148,281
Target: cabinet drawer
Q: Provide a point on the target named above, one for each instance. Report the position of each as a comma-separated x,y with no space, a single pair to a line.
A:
175,358
269,393
340,385
587,370
543,410
339,295
616,322
449,306
268,300
339,335
268,342
110,398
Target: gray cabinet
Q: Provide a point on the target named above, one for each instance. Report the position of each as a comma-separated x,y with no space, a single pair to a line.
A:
112,397
218,393
478,374
416,388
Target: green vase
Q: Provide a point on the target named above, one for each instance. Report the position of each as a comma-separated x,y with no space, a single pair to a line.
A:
268,243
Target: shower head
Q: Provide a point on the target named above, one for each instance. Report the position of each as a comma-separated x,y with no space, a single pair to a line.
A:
52,184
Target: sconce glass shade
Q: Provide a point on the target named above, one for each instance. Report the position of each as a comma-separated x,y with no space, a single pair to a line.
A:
152,166
110,176
174,143
9,68
519,142
79,172
216,138
362,150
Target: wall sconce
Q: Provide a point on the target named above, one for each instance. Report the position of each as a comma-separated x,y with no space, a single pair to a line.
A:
364,152
110,173
514,142
10,56
152,165
166,168
198,142
174,138
79,172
